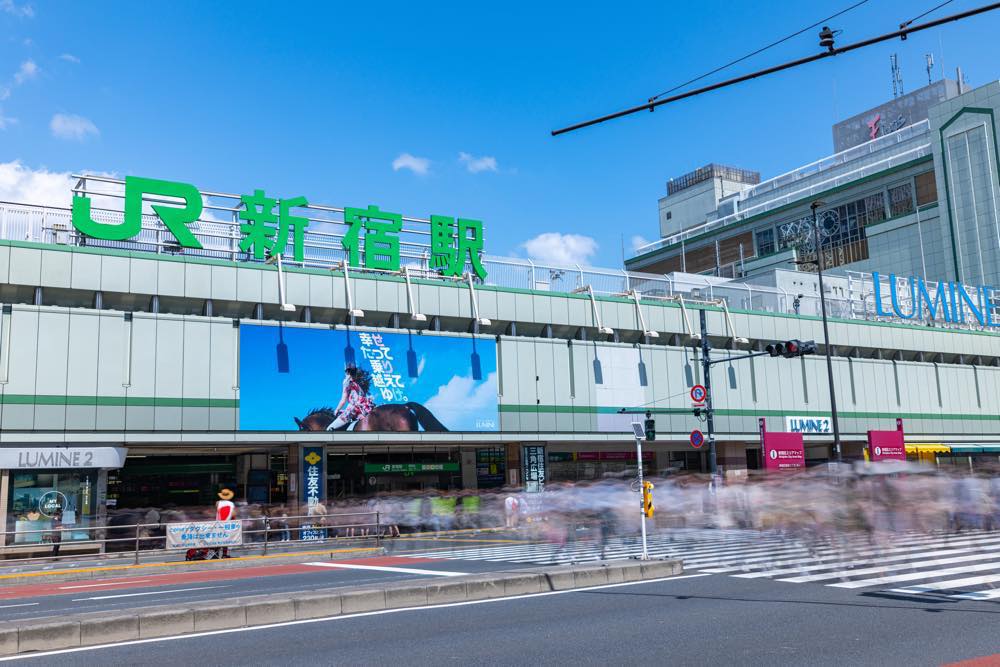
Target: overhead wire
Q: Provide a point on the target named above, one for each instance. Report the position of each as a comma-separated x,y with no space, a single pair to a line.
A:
772,44
929,11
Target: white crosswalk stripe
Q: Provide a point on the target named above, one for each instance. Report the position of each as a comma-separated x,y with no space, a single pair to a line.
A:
962,566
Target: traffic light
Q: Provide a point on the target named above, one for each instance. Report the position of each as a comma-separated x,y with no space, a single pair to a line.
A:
650,428
647,499
791,348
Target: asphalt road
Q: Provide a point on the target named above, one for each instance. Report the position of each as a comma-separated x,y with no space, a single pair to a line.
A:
19,603
691,620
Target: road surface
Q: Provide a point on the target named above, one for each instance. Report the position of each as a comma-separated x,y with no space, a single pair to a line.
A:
695,619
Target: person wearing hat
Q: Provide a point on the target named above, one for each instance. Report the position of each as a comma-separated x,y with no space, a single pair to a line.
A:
225,510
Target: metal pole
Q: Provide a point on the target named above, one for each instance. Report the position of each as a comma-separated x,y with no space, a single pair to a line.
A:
638,456
706,377
826,335
137,544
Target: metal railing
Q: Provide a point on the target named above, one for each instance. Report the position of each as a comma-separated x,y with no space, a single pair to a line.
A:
142,539
54,225
916,130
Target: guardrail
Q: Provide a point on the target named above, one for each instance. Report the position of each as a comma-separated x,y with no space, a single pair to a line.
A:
138,539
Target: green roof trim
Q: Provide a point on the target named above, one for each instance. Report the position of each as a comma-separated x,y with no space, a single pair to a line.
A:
119,401
733,412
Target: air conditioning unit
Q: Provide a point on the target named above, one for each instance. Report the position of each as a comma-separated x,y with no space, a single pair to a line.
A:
60,233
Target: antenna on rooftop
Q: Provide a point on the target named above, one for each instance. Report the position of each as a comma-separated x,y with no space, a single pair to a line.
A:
897,76
929,57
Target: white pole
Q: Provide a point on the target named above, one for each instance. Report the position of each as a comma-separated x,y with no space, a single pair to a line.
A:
638,456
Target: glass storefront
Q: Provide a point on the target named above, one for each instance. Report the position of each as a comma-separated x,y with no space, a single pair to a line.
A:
353,475
51,505
171,481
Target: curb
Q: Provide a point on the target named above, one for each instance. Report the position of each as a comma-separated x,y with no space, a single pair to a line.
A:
92,629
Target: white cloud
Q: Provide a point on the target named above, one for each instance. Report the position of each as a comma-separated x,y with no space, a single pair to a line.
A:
27,71
477,164
561,249
21,11
71,126
4,93
461,398
70,58
22,184
638,242
5,120
34,186
418,165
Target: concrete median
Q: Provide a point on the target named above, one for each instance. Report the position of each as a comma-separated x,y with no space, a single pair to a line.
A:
154,622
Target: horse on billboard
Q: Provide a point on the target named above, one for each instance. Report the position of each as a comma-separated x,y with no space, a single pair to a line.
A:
389,417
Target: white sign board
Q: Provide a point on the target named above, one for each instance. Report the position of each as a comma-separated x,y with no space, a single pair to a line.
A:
807,425
43,458
204,534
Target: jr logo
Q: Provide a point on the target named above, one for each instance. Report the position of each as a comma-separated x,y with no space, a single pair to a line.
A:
176,219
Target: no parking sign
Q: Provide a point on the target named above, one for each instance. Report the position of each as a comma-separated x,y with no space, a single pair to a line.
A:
697,439
698,394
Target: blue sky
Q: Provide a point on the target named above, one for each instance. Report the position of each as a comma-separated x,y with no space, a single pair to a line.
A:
321,99
444,381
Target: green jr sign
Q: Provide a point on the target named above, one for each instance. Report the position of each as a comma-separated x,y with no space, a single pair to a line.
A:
372,238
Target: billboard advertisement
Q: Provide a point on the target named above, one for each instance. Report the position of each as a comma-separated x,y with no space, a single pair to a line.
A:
305,379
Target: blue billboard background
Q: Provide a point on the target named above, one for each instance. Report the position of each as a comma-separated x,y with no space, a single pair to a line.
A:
418,382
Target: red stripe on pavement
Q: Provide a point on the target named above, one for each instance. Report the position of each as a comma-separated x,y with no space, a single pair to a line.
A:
153,580
984,661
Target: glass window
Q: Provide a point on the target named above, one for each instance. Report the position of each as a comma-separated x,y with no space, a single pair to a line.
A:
901,199
874,209
51,506
926,186
765,242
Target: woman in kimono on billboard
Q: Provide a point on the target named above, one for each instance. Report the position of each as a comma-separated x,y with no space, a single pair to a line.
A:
355,403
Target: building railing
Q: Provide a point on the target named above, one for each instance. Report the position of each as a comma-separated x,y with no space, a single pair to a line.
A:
870,148
54,225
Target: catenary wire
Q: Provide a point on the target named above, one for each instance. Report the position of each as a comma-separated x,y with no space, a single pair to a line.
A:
773,44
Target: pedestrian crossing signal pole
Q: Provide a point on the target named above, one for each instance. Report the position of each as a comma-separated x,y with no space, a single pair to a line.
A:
640,434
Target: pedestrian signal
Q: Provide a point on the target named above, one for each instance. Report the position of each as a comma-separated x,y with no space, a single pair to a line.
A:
650,429
647,499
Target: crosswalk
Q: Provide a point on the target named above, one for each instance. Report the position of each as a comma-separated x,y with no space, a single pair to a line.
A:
963,566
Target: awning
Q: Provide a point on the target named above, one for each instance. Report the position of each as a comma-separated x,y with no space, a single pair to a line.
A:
933,448
975,449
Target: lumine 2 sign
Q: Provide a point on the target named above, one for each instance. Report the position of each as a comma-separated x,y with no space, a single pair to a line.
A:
372,239
948,302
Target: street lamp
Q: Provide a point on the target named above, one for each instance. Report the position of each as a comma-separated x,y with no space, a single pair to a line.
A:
818,241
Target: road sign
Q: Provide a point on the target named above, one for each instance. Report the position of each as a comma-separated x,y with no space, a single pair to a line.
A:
698,394
697,438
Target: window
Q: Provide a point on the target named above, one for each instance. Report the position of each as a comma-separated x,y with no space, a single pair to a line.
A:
901,200
669,215
926,186
765,242
51,505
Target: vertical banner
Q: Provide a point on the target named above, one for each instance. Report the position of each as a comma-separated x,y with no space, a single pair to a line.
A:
779,450
313,475
887,445
533,467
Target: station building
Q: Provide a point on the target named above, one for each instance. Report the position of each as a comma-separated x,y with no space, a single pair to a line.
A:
150,354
